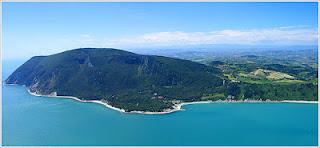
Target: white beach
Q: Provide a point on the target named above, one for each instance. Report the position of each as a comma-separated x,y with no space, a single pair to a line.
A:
298,101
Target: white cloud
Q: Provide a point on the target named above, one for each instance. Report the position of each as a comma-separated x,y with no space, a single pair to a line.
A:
273,36
85,35
292,35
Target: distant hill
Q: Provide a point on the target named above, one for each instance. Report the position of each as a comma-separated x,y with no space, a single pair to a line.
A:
123,79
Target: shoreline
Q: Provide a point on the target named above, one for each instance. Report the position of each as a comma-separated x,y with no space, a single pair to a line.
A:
176,107
299,101
77,99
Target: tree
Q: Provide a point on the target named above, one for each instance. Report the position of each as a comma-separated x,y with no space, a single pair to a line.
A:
233,89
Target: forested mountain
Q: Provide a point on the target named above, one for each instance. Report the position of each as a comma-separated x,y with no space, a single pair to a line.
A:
137,82
124,79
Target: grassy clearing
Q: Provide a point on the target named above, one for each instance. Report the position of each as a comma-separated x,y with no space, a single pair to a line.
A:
261,76
279,76
289,81
229,76
270,74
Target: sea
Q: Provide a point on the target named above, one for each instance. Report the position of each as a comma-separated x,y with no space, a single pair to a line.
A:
43,121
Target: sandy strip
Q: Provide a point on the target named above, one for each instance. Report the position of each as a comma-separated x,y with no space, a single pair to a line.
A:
77,99
299,101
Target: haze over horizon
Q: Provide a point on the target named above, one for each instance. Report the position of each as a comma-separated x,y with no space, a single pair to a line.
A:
31,29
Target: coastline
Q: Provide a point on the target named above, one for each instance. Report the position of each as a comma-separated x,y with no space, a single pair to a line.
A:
176,107
299,101
77,99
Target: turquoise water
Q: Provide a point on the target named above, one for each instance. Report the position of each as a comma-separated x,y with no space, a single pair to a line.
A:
30,120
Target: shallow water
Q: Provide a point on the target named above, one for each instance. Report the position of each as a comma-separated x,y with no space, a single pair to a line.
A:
31,120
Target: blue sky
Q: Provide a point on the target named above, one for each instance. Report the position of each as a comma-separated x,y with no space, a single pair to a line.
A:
44,28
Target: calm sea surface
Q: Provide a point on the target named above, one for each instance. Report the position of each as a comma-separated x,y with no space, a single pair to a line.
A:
30,120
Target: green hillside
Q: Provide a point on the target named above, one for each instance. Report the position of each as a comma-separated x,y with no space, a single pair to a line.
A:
152,83
124,79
